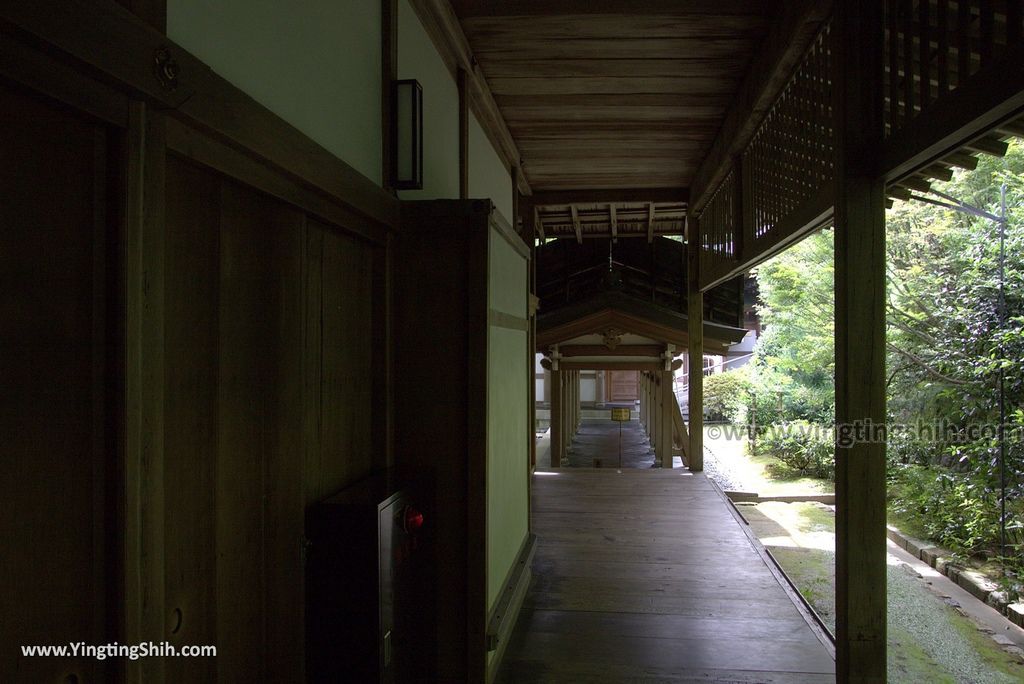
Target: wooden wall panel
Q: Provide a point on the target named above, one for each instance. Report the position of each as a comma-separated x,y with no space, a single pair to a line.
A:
192,263
283,233
54,459
244,433
268,401
346,443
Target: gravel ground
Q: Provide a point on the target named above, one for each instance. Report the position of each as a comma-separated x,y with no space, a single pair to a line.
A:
718,468
930,641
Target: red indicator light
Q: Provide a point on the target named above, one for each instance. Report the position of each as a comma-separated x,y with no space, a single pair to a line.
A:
413,519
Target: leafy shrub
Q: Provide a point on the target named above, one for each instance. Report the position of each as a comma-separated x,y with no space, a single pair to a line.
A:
903,448
955,509
800,448
775,398
725,395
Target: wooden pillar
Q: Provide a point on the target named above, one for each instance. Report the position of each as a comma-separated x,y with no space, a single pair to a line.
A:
860,345
556,418
643,398
647,405
567,387
566,413
695,325
665,419
577,405
655,413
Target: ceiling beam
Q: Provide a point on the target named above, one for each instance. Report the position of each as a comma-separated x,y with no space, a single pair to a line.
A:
795,28
617,196
445,31
650,366
601,350
576,224
538,8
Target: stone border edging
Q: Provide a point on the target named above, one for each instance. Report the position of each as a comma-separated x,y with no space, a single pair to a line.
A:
974,582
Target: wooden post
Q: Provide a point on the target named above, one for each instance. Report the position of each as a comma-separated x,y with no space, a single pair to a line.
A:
577,402
647,403
643,398
695,325
665,420
860,345
144,613
556,413
656,414
566,413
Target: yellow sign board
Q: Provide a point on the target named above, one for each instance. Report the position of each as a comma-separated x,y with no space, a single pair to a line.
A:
620,414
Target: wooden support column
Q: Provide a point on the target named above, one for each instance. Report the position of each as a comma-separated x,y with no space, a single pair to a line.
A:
860,345
556,415
575,402
695,313
649,400
566,412
643,399
665,420
578,403
655,413
144,610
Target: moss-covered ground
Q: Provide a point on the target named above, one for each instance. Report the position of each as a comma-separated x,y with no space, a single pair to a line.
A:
929,641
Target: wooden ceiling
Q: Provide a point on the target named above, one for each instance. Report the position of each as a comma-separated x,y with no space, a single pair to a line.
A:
613,93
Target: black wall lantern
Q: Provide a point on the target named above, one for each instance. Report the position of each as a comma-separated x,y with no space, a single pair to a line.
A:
407,120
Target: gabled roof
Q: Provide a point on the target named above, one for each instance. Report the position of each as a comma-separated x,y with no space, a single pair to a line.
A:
611,310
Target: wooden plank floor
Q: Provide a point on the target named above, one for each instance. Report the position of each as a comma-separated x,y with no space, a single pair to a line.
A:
645,576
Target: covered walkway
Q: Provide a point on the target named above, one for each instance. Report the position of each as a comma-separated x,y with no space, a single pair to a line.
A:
647,576
598,440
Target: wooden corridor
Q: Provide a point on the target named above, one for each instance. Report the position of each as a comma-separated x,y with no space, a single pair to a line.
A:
646,576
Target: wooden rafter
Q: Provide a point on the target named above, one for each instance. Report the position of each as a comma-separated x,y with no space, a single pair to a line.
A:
639,195
538,8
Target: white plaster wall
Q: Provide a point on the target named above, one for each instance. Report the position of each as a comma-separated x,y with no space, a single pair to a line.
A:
488,177
418,59
315,63
588,389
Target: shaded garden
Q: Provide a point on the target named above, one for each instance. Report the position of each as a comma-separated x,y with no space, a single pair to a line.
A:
949,344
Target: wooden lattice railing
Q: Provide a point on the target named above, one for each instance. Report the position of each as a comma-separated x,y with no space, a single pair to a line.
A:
791,158
719,225
934,46
781,184
785,171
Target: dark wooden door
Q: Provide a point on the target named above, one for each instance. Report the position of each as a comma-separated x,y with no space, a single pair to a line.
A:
623,386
